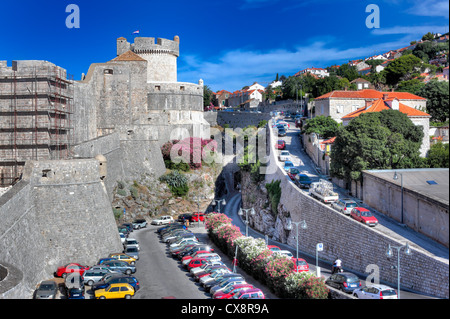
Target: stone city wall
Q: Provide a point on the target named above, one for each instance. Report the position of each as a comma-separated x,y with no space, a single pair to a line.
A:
45,224
357,245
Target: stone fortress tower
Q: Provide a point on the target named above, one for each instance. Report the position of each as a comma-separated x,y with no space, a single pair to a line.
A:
161,56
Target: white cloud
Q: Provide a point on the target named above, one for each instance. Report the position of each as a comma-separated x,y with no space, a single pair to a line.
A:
430,8
411,30
237,68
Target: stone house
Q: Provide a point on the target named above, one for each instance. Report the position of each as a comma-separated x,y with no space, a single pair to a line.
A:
337,104
418,117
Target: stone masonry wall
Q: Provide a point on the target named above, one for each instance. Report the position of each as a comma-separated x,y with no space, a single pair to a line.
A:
357,245
45,224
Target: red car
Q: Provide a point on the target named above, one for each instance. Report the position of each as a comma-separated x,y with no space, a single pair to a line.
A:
364,216
70,268
281,145
302,265
230,292
194,255
273,248
196,216
196,262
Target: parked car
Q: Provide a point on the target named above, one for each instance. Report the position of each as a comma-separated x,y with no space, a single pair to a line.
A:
301,264
102,260
74,286
364,216
196,262
183,217
139,223
70,268
221,279
122,266
163,220
226,284
293,172
90,276
288,165
198,216
231,291
116,279
282,132
344,281
303,180
344,205
132,252
281,145
375,292
285,253
181,236
212,275
273,248
115,291
183,241
129,226
123,257
250,294
194,249
122,237
131,242
46,290
284,156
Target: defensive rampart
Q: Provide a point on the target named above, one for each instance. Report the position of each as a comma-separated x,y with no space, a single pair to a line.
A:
357,245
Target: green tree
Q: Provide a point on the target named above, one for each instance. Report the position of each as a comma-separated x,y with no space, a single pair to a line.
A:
438,156
347,71
325,126
437,95
412,86
428,37
401,69
207,96
379,140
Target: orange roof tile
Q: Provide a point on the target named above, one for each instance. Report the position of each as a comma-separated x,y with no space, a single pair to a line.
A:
380,105
128,56
369,94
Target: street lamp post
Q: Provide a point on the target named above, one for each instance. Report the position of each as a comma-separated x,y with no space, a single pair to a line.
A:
219,202
401,183
389,254
241,213
303,225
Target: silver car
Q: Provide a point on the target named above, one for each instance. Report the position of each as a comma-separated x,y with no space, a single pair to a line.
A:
132,252
95,275
47,290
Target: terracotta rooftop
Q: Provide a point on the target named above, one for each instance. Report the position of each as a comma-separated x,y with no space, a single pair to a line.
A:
369,94
380,105
128,56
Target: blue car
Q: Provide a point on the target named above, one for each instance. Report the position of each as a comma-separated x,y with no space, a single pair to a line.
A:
288,165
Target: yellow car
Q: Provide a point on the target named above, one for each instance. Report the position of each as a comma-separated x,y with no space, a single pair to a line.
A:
115,291
123,257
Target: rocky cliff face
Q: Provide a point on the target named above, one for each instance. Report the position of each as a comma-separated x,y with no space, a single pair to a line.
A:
149,197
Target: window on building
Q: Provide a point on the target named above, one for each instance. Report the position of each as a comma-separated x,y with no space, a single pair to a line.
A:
108,71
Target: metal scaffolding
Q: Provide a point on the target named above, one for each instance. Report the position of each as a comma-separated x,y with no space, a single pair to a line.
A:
35,118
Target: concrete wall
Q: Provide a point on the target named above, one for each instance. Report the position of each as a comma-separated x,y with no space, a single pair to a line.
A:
424,214
45,224
357,245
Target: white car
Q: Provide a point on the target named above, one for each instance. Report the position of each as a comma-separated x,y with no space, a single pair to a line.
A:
163,220
285,253
131,242
122,237
375,292
196,270
181,242
285,156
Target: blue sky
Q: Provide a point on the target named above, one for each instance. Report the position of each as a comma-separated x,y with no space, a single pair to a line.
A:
229,44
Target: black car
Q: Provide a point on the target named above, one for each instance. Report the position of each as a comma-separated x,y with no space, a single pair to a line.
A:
281,132
218,281
345,281
184,217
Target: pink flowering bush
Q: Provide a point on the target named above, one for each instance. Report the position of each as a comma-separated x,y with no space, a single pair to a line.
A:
305,285
192,150
276,270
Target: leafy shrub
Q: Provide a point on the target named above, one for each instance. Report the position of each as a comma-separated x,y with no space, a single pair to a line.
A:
304,285
177,182
274,192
